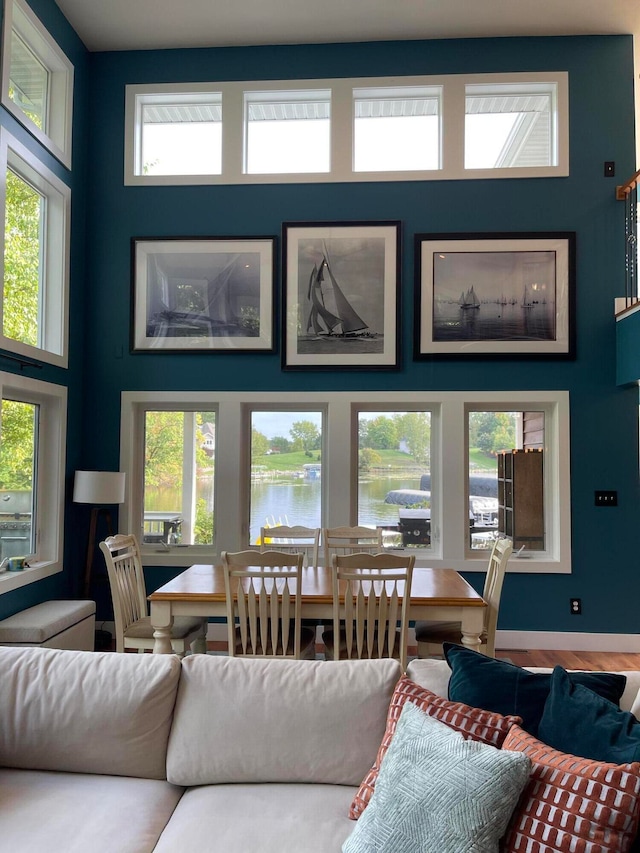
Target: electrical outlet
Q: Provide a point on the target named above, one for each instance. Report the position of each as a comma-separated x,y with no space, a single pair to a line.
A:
609,169
606,498
576,606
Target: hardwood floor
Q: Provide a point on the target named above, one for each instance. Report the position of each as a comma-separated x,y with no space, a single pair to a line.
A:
602,661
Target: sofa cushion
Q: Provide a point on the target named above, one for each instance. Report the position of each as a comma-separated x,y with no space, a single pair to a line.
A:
578,720
473,723
86,712
77,812
572,803
259,819
243,720
439,791
501,686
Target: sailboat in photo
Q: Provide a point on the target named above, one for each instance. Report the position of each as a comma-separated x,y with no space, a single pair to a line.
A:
526,299
469,299
342,319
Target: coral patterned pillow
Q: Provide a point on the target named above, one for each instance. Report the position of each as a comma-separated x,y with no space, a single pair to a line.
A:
572,803
473,723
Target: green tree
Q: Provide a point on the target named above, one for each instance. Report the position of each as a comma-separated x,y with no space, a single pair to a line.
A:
164,448
17,445
259,443
382,433
279,442
415,429
21,261
305,435
492,431
367,458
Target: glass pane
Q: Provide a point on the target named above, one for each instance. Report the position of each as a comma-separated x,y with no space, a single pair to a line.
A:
18,437
508,126
28,82
394,476
182,139
490,434
22,261
287,132
179,478
286,466
396,129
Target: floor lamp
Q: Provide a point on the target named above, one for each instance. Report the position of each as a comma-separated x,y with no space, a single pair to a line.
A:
101,489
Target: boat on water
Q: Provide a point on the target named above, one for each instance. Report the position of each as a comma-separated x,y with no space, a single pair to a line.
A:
526,299
469,299
342,320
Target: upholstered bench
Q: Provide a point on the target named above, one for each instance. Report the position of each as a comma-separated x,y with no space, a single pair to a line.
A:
52,624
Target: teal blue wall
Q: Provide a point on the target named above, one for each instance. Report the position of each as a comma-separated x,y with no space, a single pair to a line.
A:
604,416
64,584
628,349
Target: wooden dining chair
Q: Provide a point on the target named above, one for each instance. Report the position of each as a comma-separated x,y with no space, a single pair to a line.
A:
350,540
371,595
263,597
296,539
133,629
431,635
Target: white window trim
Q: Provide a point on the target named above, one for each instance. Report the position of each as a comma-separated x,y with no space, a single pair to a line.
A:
51,452
18,15
342,123
449,465
55,251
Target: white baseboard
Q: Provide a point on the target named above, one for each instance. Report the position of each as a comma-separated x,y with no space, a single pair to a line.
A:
572,641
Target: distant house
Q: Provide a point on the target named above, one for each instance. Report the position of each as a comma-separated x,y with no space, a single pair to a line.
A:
208,433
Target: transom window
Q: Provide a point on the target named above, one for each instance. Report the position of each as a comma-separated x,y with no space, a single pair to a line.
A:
37,80
361,129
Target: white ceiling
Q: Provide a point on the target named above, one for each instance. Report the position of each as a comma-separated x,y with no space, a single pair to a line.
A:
150,24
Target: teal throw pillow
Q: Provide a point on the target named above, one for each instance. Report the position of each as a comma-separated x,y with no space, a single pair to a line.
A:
439,793
500,686
578,721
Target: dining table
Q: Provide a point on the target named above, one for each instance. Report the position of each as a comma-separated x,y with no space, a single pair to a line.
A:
436,594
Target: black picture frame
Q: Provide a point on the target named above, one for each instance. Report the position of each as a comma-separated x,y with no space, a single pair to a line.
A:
493,295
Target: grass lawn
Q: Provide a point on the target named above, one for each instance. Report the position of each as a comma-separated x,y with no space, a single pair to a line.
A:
388,458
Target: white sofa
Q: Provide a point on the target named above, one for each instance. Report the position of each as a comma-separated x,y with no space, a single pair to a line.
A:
134,753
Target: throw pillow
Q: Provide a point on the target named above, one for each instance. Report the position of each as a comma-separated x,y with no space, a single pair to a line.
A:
577,719
475,724
572,803
439,793
501,686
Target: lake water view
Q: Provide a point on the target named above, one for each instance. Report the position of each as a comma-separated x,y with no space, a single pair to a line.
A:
494,322
295,501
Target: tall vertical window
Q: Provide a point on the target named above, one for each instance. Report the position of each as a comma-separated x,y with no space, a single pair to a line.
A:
510,125
287,131
397,129
179,469
286,469
394,476
35,255
19,431
37,80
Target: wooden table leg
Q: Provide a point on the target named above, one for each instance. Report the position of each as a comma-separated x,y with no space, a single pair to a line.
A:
472,626
162,622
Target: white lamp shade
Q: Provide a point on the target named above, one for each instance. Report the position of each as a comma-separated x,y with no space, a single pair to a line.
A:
99,487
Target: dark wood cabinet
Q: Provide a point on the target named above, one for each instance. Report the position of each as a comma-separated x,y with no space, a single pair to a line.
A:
521,498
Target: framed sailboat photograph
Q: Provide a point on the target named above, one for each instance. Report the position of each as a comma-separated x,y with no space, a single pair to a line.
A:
341,295
495,294
203,294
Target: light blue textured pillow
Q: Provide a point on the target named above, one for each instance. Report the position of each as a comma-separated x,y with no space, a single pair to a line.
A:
439,793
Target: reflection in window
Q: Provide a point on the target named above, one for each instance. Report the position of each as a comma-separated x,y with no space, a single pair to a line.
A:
28,82
286,469
19,430
394,476
179,469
